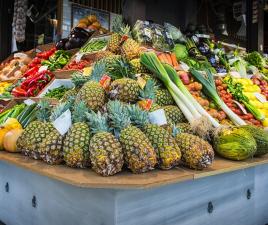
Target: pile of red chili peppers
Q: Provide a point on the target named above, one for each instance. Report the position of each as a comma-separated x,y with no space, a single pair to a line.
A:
35,81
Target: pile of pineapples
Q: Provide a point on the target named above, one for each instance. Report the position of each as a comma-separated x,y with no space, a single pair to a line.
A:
111,128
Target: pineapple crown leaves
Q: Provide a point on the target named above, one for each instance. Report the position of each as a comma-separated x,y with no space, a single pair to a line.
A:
44,111
79,79
149,90
137,116
59,110
121,68
98,122
80,111
98,71
118,115
117,23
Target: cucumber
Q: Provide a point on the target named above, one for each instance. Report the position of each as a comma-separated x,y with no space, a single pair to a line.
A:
30,119
24,121
27,110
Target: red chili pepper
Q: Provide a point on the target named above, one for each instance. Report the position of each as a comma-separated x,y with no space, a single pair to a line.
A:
33,91
31,71
36,60
19,92
46,54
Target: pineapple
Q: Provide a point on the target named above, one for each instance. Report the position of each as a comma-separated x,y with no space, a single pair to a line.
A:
173,114
167,151
114,42
184,128
69,94
76,142
31,138
92,92
50,149
120,30
196,152
125,90
138,67
106,154
139,154
163,97
130,49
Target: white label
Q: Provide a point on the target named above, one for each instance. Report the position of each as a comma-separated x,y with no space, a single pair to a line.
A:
29,101
42,68
260,97
78,57
158,117
64,122
20,55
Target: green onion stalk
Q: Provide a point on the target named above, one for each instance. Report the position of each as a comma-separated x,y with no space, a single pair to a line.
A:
210,90
150,60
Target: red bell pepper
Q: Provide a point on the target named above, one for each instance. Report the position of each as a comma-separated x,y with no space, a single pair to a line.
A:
19,92
31,71
46,54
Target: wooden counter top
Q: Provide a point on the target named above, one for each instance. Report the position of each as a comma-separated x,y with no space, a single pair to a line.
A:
126,180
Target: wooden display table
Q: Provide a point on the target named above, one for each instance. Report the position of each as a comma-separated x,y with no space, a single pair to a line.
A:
228,193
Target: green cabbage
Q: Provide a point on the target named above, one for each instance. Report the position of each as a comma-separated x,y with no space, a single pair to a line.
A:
180,51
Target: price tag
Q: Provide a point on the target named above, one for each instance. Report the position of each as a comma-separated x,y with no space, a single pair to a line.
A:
29,101
79,56
203,36
64,122
158,117
260,97
42,68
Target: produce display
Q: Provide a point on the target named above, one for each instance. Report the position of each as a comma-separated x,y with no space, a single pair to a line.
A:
146,98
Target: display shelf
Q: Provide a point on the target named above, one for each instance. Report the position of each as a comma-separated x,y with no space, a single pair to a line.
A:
126,180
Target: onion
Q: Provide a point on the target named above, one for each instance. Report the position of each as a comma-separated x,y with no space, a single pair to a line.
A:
10,139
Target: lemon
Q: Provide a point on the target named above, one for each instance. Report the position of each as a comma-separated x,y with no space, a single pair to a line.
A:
265,105
265,122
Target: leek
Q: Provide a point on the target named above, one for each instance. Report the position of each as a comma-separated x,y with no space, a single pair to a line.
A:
210,90
175,78
150,60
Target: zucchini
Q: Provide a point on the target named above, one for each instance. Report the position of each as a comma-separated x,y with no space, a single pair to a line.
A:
25,119
27,110
30,119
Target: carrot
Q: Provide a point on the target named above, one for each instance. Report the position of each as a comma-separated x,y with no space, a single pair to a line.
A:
162,58
174,60
168,58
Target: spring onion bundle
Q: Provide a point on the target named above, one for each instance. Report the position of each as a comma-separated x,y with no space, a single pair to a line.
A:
210,90
188,105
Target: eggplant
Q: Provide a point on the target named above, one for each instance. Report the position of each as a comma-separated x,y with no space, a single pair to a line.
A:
60,45
212,59
68,45
220,69
80,32
203,48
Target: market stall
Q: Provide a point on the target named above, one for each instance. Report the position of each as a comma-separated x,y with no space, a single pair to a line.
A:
137,125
